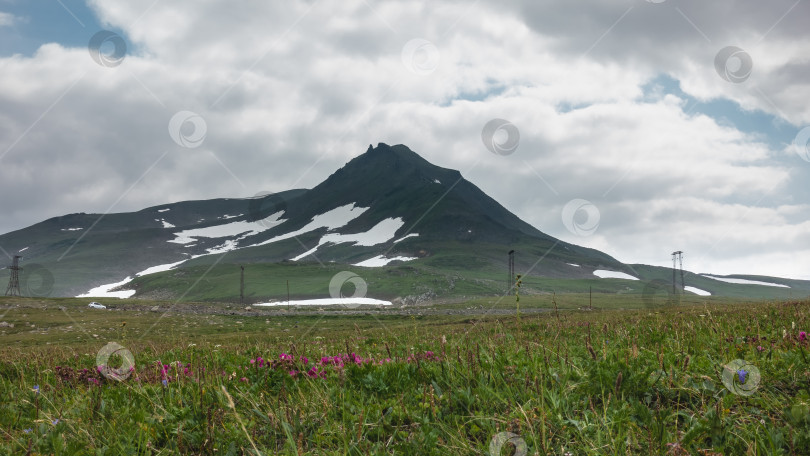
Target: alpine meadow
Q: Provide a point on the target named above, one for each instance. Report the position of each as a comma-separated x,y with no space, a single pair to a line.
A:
396,227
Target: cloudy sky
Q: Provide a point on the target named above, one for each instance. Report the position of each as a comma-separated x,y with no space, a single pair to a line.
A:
635,127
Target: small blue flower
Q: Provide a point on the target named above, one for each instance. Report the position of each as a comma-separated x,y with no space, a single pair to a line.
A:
36,389
741,375
27,431
165,382
55,422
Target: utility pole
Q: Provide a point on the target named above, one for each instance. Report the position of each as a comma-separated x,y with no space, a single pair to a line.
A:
511,280
13,288
242,286
676,258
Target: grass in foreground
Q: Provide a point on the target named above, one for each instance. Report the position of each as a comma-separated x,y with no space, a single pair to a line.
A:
612,382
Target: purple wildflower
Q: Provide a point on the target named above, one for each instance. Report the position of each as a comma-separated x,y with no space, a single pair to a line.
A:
741,375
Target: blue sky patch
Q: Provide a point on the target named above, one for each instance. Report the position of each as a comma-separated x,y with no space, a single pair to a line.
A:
69,23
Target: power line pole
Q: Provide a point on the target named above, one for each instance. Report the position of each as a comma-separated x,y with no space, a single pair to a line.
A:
676,258
511,281
242,286
13,288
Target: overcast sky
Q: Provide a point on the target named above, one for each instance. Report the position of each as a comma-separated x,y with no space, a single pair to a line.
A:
638,129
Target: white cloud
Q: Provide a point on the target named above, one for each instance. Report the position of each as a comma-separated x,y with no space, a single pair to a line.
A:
289,92
7,19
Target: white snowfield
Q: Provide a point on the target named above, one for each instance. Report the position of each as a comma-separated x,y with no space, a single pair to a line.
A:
379,261
326,302
382,232
379,233
165,223
159,268
572,264
72,229
406,237
103,291
243,228
164,210
697,291
605,274
330,220
745,281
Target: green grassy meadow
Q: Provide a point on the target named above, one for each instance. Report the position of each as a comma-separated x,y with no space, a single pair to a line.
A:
619,379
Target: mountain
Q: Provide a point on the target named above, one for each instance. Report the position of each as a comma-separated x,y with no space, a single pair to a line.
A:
388,206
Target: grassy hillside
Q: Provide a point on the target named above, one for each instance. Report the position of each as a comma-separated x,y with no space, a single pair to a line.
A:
450,274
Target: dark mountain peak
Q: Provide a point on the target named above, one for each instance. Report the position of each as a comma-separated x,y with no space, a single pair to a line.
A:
383,165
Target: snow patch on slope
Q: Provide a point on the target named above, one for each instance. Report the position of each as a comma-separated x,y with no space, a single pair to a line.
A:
406,237
378,234
697,291
605,274
326,302
745,281
330,220
379,260
103,291
159,268
243,228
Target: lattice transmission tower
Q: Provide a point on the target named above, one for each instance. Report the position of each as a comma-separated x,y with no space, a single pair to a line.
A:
13,288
